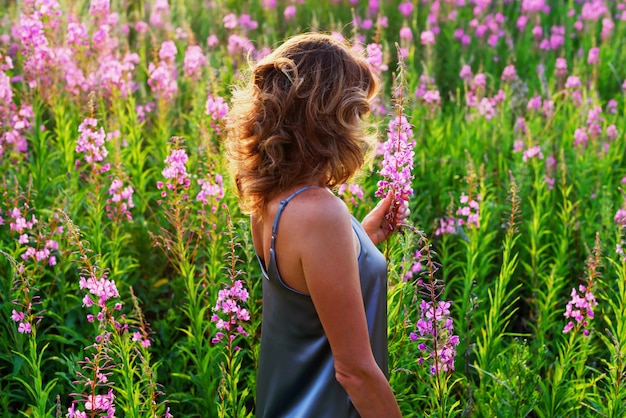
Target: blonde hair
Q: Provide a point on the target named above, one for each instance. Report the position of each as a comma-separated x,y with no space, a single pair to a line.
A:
300,117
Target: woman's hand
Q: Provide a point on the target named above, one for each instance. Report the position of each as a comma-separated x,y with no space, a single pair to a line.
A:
387,217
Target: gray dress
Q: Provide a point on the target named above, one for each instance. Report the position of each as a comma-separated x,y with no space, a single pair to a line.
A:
296,375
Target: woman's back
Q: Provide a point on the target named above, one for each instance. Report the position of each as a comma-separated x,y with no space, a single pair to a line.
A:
296,376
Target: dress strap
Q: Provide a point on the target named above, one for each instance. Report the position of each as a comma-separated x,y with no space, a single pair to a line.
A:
281,207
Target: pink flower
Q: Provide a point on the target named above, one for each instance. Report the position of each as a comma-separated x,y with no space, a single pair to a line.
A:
91,141
175,169
227,312
534,103
194,61
230,21
532,153
99,7
168,51
162,80
561,66
480,80
213,191
580,137
269,4
246,22
580,309
406,8
593,10
509,73
427,37
216,107
397,165
289,12
24,328
17,316
592,58
466,73
212,41
572,82
532,6
375,57
406,34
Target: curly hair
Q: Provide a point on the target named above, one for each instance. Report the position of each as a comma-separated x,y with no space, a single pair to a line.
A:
299,119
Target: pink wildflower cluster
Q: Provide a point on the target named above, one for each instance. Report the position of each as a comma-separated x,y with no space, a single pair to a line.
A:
228,314
211,191
580,309
352,193
554,41
476,97
38,53
24,326
160,14
427,92
240,45
367,22
101,298
532,152
175,171
95,374
509,73
217,108
437,341
593,130
375,57
14,123
488,28
120,201
36,248
446,225
144,110
102,403
80,56
397,165
406,40
40,248
406,8
245,22
560,67
142,339
91,144
163,75
538,104
102,289
194,62
467,214
398,151
573,84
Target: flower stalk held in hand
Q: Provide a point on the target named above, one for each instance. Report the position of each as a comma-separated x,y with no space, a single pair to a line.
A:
398,153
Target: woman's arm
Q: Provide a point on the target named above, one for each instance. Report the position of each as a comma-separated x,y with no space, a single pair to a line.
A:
329,263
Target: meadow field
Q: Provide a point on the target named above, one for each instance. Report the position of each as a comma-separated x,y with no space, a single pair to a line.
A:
129,285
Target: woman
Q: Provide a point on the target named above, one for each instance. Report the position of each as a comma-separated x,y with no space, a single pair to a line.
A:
294,133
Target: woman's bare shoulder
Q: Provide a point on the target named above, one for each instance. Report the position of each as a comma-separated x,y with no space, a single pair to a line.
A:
319,208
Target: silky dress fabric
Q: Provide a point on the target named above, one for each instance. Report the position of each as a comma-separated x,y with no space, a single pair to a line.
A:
296,375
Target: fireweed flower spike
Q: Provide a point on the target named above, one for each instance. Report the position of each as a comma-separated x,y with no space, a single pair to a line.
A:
175,171
579,310
398,151
434,332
